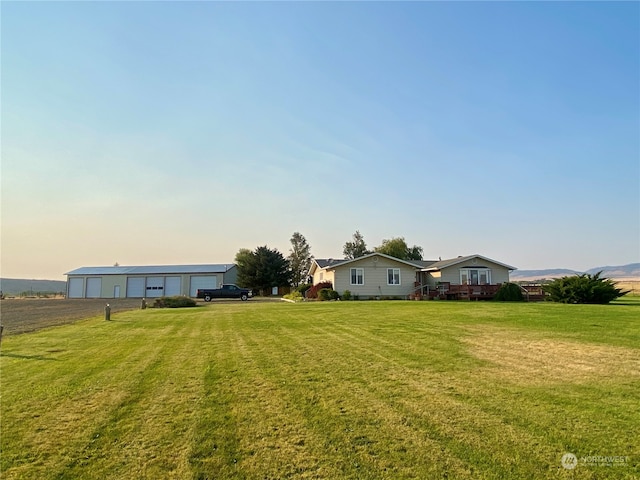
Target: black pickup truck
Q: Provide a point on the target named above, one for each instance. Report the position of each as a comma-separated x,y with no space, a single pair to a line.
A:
225,291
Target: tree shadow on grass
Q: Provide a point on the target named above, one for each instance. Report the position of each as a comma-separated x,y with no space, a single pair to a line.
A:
27,357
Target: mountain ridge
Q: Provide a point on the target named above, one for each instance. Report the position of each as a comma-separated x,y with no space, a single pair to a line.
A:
630,270
15,286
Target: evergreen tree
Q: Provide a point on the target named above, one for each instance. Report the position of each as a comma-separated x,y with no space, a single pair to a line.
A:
262,269
583,288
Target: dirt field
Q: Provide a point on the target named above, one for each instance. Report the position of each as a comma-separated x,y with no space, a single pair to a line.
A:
21,316
28,315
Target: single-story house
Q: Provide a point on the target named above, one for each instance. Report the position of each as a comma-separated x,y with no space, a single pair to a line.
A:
377,275
147,281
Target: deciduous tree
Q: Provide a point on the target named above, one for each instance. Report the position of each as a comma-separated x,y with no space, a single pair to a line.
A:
246,267
299,259
356,248
398,248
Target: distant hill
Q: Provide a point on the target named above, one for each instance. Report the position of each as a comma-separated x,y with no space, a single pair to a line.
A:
15,286
631,270
548,273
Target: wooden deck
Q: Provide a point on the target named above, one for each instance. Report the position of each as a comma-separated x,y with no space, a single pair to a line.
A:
446,291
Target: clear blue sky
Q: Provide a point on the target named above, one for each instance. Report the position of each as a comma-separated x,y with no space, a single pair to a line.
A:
171,133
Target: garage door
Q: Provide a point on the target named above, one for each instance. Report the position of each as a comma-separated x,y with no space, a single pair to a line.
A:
202,281
76,288
135,287
171,286
94,287
155,287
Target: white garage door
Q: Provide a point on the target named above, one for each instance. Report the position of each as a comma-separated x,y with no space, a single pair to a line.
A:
76,287
94,287
172,286
155,287
202,281
135,287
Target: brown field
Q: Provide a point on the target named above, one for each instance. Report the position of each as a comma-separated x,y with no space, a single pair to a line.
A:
21,316
626,283
632,285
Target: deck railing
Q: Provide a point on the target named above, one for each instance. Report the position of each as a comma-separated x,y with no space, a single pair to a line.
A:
446,291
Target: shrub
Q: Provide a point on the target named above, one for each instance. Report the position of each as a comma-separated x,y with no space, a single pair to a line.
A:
313,291
346,295
583,288
302,288
174,302
323,294
328,294
295,296
509,292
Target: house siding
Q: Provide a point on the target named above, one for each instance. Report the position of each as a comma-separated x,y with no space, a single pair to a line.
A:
375,278
327,276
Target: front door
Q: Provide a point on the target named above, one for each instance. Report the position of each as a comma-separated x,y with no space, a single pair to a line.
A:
116,291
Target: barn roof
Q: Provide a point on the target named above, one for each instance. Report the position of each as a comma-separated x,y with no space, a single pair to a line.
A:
152,269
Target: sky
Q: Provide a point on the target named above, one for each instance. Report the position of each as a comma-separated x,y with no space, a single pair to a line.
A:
153,133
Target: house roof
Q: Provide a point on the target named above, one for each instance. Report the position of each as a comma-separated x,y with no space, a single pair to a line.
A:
152,269
439,265
329,263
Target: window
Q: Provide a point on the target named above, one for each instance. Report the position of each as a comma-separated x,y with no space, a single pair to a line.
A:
357,276
475,276
393,276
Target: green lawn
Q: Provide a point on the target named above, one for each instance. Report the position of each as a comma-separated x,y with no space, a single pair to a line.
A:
360,390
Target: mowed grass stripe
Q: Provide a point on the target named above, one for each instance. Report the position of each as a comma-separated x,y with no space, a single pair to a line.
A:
345,348
356,402
426,402
148,428
544,458
104,402
306,398
275,433
335,390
